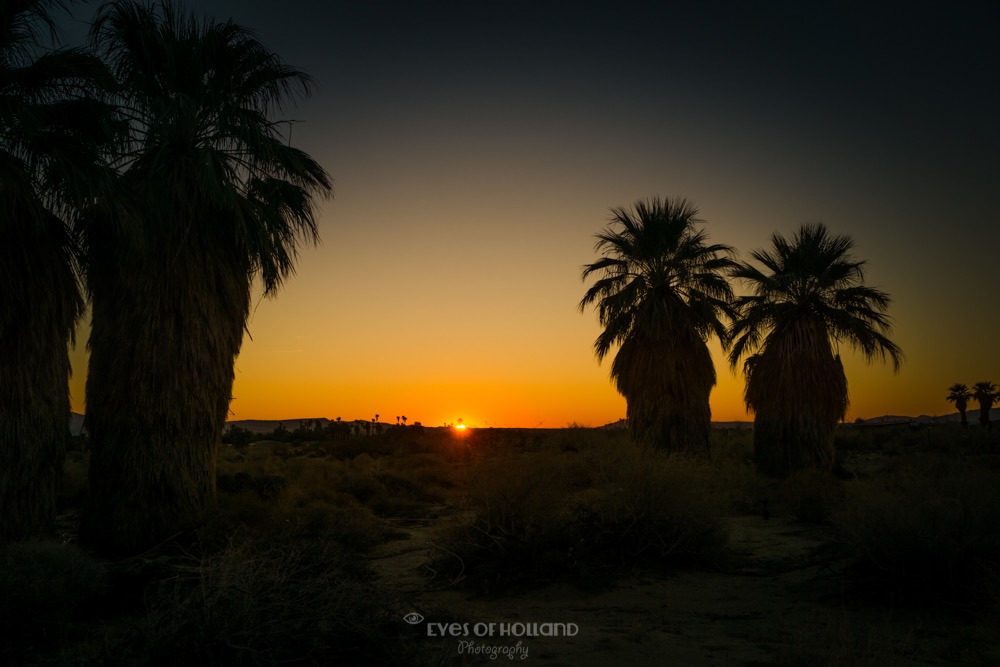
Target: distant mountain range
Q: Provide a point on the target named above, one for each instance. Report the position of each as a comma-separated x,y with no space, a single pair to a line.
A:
268,425
252,425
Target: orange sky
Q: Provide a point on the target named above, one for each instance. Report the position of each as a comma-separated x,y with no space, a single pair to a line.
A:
474,158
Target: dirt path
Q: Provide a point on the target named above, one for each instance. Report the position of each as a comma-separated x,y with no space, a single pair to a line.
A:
783,605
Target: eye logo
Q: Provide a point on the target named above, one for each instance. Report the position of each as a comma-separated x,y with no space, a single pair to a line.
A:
413,618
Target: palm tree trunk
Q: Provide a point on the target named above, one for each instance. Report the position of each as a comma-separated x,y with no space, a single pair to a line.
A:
39,306
168,324
798,391
667,383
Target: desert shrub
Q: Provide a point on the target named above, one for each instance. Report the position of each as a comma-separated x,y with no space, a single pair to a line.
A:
927,531
732,444
353,527
234,482
44,585
549,515
268,601
361,484
237,511
267,487
658,506
409,486
843,640
309,478
811,496
237,436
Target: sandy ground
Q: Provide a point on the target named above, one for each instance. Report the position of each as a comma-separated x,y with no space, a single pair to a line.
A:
784,604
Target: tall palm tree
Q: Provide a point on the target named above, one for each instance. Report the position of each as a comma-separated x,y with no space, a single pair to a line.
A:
986,394
959,395
49,134
661,291
212,198
809,296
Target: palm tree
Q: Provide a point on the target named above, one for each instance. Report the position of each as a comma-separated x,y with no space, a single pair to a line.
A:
660,292
49,134
808,298
959,395
986,394
211,199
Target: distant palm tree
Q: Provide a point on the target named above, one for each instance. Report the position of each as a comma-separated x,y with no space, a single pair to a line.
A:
211,198
986,394
809,295
661,291
959,395
50,132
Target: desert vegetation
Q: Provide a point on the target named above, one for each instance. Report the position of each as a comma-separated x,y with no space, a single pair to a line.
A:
290,565
146,177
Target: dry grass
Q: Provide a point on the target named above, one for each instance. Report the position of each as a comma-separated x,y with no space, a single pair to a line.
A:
919,524
265,602
583,512
927,528
45,589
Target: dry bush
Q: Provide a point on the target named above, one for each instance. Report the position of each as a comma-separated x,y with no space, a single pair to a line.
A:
306,501
265,602
583,516
928,530
812,496
845,641
665,506
43,587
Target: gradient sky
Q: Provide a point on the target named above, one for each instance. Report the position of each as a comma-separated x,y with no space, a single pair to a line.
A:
477,147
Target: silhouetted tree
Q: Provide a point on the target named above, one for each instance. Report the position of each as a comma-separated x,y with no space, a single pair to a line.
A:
810,292
51,132
986,394
959,395
211,197
661,291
